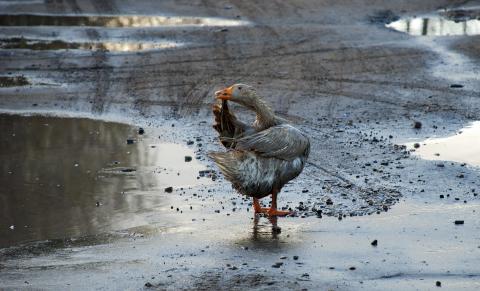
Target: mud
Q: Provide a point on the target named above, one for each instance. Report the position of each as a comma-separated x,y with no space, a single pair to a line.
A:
14,81
353,85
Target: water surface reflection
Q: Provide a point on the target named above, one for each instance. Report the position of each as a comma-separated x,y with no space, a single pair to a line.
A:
436,26
73,177
463,147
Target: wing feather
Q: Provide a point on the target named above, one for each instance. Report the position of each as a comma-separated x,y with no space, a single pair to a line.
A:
282,141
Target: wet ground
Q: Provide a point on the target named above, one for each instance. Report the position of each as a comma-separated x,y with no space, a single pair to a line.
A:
364,93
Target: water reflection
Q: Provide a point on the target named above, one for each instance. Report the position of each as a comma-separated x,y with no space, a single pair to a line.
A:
436,26
113,21
59,180
463,147
34,44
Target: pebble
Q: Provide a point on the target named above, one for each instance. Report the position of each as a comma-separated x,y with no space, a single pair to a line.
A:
456,86
141,131
277,265
459,222
417,125
438,284
442,196
374,243
416,145
169,189
188,159
295,258
148,285
129,141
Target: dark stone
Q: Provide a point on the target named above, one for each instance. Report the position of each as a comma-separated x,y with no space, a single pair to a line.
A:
438,284
148,285
295,258
190,142
188,159
441,165
417,125
304,190
461,176
169,189
352,268
374,243
416,145
277,265
130,141
141,131
459,222
442,196
456,86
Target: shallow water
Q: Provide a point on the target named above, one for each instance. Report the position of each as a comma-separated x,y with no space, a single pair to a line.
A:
66,178
462,147
36,44
112,20
437,25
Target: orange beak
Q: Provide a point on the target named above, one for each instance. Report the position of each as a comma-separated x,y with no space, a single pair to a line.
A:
224,94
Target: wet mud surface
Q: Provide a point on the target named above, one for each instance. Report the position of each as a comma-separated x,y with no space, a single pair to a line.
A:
359,89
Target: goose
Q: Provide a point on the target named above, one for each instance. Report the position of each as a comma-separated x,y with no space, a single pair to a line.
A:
262,157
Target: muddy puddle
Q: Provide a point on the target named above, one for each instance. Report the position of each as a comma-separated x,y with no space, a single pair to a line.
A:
113,21
35,44
64,178
447,23
462,147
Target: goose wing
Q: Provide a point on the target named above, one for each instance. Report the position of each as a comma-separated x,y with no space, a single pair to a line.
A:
282,141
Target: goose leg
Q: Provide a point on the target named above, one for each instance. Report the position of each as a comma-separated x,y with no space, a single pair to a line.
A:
257,207
273,209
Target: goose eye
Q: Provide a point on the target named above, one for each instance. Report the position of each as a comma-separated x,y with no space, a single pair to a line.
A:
240,88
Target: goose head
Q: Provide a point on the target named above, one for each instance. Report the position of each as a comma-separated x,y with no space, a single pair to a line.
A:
239,93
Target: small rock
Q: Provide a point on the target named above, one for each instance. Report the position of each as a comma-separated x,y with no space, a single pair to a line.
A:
417,125
459,222
148,285
352,268
441,165
442,196
295,258
456,86
129,141
374,243
141,131
461,176
416,145
188,159
190,142
438,284
277,265
169,189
